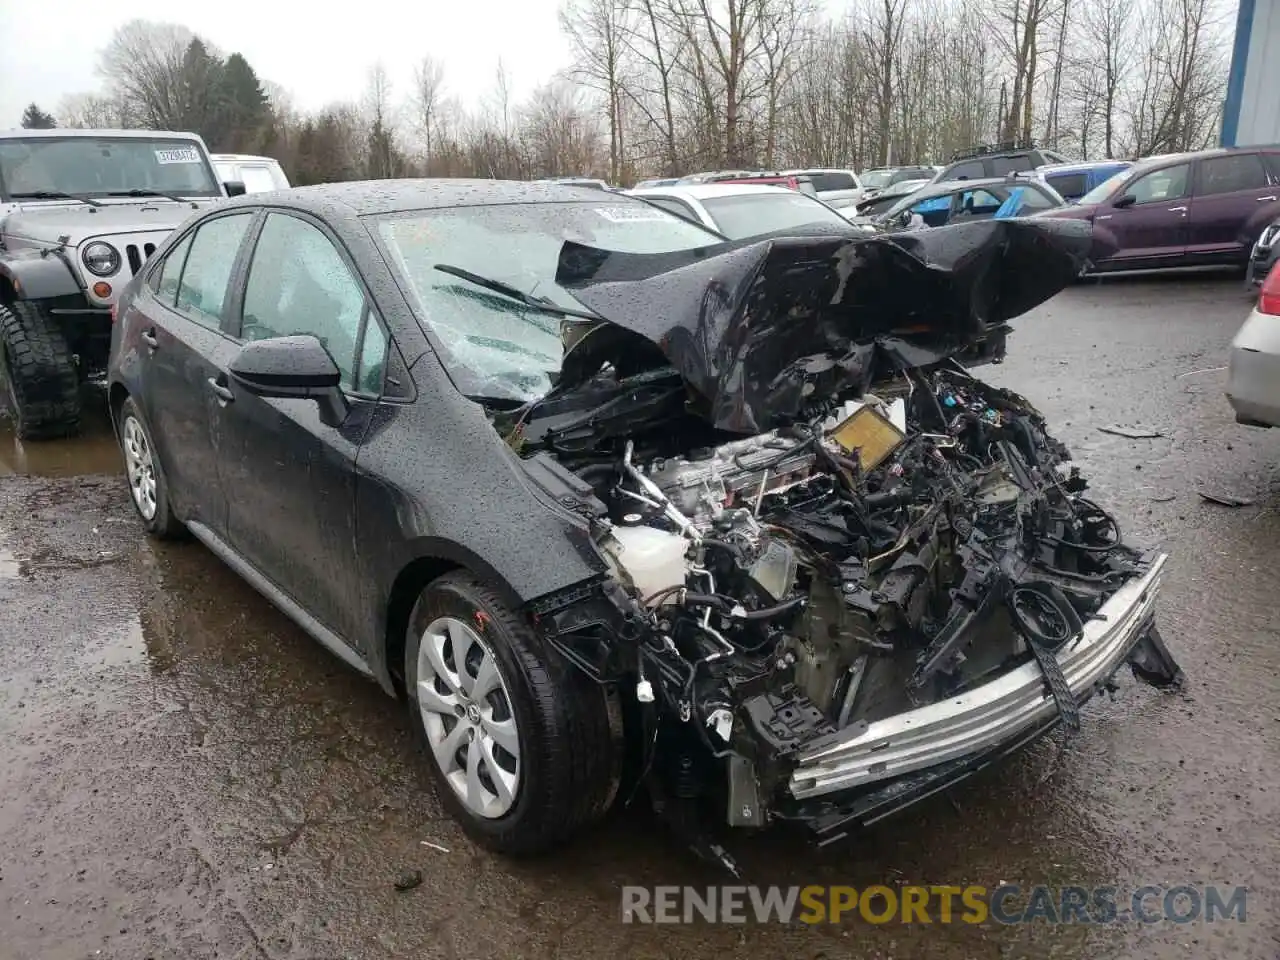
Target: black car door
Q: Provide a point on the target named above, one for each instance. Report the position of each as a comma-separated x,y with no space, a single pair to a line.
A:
184,303
289,475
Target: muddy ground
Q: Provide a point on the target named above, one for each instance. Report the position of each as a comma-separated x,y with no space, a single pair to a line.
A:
184,774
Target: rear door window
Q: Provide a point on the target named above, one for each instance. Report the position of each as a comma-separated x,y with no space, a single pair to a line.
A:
971,170
1232,173
832,180
978,203
1070,185
1273,161
1036,199
1003,166
202,291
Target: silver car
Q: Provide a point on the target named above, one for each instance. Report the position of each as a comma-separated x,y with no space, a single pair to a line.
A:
1253,384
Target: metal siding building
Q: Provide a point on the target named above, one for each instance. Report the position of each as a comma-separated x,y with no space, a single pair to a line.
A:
1251,114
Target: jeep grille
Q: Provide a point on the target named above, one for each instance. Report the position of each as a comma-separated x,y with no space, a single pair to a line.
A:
138,258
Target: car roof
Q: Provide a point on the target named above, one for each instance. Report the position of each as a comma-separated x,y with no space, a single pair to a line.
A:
361,198
239,157
800,171
1081,165
955,186
65,133
708,191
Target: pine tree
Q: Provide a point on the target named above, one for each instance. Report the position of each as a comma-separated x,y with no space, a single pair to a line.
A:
246,110
33,118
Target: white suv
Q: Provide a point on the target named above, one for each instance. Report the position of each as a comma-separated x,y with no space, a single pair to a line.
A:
258,174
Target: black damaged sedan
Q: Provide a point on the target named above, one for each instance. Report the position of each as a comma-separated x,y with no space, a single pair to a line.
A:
603,497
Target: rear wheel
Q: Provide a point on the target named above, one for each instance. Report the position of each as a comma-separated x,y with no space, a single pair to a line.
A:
148,488
524,747
41,382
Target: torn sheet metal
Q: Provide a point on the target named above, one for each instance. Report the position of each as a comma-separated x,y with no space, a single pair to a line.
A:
761,329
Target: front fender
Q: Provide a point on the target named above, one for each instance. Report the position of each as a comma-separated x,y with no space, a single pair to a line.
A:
36,277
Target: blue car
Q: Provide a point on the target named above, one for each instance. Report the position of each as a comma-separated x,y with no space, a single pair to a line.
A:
1074,180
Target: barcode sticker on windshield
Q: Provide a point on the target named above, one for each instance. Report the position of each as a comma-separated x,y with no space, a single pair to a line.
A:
638,212
178,155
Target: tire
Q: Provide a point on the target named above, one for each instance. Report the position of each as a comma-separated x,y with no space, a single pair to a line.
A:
41,381
568,760
148,488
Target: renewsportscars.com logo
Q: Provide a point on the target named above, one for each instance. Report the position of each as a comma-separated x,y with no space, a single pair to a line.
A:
1006,904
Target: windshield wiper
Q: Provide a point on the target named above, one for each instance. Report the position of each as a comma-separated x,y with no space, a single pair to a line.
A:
147,193
540,304
52,195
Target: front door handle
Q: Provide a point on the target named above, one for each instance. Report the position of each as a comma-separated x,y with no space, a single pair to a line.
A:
1265,199
221,391
1176,209
149,338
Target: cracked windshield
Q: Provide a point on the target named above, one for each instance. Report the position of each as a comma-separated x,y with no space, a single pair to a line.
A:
496,347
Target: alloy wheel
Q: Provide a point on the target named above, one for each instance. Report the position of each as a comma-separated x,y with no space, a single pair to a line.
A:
468,717
141,468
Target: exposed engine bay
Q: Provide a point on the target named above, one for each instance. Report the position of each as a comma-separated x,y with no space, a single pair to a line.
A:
881,548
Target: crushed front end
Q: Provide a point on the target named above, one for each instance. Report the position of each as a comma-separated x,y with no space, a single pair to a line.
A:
893,579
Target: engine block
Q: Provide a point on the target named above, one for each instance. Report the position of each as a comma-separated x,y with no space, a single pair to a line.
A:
734,474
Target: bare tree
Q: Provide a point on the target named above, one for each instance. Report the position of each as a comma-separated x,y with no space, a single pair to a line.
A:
658,49
382,159
560,131
143,64
428,96
1107,27
882,32
597,30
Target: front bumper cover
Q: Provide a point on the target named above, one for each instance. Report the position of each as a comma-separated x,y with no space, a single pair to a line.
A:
1010,710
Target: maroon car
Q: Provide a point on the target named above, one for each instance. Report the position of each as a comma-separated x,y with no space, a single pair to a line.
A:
1182,210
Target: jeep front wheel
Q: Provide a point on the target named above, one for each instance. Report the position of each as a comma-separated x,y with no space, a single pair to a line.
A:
39,373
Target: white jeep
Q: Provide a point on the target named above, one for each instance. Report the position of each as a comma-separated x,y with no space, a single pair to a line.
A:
80,212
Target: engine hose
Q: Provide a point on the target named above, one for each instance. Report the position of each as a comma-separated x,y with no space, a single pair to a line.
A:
725,606
769,613
731,548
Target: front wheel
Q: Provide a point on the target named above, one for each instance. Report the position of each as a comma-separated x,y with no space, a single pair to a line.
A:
523,746
41,381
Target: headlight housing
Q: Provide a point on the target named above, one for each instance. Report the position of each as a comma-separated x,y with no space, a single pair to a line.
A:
100,259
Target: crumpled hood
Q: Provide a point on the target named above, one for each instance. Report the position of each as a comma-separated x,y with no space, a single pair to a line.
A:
80,221
763,328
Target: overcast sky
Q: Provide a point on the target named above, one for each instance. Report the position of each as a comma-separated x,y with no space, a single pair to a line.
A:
319,52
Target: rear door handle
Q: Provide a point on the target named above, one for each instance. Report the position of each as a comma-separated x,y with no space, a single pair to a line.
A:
221,391
149,338
1265,199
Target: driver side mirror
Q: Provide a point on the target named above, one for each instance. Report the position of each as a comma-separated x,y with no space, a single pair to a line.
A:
297,367
234,188
1128,200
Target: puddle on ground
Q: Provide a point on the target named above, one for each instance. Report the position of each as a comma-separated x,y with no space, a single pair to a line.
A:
120,644
9,564
94,451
